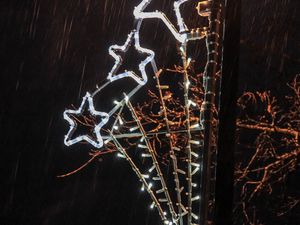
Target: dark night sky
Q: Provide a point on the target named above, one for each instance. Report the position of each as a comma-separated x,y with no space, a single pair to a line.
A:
52,52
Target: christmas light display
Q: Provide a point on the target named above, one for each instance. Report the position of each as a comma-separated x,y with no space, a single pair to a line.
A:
185,206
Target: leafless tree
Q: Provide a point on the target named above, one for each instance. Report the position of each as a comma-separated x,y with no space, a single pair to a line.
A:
268,151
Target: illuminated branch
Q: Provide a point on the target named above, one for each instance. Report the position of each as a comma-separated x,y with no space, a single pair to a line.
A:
270,128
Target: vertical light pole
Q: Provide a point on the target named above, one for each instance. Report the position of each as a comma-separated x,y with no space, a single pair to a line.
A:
214,53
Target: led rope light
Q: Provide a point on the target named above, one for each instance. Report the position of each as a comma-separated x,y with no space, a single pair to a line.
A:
133,36
98,143
140,14
181,24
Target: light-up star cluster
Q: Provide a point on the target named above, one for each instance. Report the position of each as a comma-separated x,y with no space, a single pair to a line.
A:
181,134
133,38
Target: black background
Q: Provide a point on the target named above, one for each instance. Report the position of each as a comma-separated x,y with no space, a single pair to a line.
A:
52,52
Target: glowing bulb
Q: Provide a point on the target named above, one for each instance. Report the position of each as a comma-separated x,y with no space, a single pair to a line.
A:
151,169
196,198
195,125
187,84
194,142
107,141
195,216
121,155
194,154
195,164
150,185
126,98
152,205
190,102
120,120
133,128
176,149
196,170
142,146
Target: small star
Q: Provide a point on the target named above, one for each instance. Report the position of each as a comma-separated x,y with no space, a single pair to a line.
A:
113,75
105,117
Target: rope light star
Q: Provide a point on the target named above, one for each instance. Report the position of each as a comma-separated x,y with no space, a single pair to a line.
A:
178,125
132,37
182,34
98,143
139,13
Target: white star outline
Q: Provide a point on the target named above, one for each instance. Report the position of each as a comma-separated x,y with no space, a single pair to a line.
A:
133,36
99,142
180,35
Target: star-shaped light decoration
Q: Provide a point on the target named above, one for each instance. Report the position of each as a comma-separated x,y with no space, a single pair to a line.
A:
98,143
113,75
180,35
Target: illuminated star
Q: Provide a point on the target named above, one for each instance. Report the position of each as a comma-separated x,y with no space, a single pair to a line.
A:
180,35
98,143
113,75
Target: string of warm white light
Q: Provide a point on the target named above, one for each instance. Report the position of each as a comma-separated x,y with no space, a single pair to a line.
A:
155,162
146,186
188,104
172,153
157,202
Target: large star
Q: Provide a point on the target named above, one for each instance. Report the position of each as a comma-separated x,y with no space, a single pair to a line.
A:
114,75
98,143
180,35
